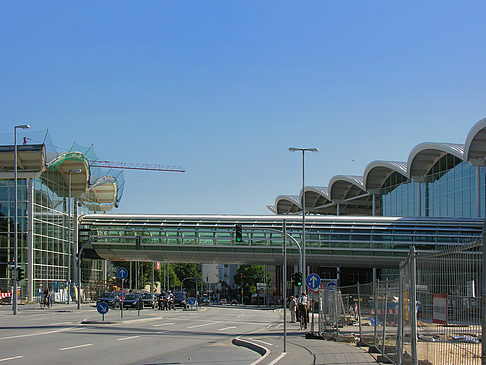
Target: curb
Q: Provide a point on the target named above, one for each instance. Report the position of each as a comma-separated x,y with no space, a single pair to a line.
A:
263,351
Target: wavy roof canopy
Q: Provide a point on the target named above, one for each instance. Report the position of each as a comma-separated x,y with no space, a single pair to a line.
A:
30,158
424,156
475,146
287,204
317,200
65,162
377,172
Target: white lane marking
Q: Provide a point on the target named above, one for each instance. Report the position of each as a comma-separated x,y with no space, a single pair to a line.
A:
38,333
266,343
57,324
127,338
11,358
202,325
163,324
226,328
278,358
75,347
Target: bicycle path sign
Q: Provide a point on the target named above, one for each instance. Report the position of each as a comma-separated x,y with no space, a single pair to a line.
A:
313,281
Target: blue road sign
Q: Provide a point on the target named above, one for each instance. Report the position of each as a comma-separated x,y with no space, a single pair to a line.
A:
313,281
331,286
191,301
102,308
122,273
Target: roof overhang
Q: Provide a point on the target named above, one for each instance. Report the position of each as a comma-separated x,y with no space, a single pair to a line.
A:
377,172
424,156
31,160
475,146
287,204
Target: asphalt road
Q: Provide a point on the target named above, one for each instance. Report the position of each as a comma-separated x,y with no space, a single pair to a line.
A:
62,335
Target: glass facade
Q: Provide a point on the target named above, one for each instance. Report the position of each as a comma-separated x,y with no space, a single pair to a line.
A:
448,190
42,205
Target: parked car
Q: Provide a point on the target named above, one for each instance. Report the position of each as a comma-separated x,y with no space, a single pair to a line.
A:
180,299
204,301
121,294
133,300
234,301
223,302
149,300
110,298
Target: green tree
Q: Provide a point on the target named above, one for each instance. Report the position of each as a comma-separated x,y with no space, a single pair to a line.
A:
184,271
247,276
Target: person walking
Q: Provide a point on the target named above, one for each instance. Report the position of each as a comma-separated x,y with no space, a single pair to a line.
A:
292,308
302,309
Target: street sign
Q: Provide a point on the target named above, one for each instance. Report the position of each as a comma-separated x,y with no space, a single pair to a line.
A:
102,308
122,273
261,285
191,301
313,281
331,286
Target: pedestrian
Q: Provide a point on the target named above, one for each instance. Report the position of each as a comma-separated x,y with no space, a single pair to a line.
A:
292,308
303,308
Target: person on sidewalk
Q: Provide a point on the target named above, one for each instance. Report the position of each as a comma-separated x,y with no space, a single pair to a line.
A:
292,308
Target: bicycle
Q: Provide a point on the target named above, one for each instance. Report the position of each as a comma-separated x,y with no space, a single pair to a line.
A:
45,302
302,316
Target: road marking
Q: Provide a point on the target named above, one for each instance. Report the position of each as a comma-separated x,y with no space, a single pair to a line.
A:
39,333
226,328
278,358
75,347
57,324
202,325
266,343
163,324
127,338
11,358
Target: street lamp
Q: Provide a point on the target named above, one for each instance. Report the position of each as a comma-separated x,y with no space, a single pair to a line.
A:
76,171
303,150
14,301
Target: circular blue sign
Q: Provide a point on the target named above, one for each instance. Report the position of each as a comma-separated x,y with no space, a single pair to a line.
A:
191,301
102,308
122,273
331,286
313,281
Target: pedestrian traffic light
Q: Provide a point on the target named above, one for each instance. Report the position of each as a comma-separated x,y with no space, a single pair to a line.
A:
239,233
20,273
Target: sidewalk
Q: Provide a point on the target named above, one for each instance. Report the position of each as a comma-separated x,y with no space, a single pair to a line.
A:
302,351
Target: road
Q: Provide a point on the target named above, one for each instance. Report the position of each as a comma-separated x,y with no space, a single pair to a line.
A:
59,335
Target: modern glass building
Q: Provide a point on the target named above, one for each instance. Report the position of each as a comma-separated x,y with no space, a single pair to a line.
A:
53,189
438,180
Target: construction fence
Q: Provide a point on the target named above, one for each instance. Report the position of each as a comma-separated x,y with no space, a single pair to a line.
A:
431,314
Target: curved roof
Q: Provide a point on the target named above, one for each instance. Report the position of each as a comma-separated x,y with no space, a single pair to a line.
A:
342,187
285,204
425,155
377,172
316,199
475,146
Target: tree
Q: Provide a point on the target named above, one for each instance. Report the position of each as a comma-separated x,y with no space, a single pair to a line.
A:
247,277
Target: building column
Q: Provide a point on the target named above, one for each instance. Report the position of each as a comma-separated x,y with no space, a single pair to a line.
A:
419,199
373,211
30,240
478,191
338,275
337,208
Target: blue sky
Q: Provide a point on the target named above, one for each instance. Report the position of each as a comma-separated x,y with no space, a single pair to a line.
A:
223,88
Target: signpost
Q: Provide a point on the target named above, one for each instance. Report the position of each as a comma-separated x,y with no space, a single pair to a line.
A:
313,281
102,309
122,274
191,301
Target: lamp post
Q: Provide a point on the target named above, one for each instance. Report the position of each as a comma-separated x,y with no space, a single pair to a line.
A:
77,171
303,150
14,301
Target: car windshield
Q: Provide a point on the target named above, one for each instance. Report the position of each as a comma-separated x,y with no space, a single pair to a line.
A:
180,295
131,296
108,295
147,296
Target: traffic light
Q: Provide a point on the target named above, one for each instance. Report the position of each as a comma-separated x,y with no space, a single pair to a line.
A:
297,278
239,233
20,273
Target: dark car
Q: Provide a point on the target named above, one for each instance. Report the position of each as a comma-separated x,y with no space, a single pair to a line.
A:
111,299
180,299
133,300
149,300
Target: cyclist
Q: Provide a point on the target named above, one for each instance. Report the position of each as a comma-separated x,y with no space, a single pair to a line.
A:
46,297
302,310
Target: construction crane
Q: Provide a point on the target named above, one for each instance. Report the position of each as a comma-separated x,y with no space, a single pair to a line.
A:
135,166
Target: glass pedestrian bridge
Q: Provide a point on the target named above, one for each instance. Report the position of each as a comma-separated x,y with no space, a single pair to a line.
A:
330,240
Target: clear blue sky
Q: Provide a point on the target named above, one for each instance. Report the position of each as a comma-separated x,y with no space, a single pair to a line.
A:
223,88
